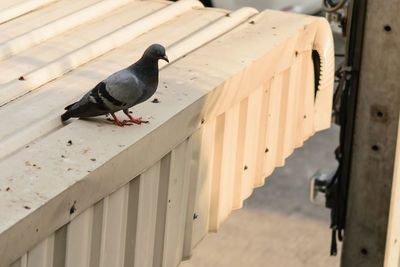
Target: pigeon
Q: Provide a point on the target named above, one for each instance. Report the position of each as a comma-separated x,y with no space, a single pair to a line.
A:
121,90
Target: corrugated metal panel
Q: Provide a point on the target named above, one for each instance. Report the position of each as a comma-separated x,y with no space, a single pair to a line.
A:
237,98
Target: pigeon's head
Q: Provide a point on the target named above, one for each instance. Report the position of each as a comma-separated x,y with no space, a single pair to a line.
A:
156,51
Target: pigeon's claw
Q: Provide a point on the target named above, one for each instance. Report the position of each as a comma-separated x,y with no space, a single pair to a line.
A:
136,121
118,122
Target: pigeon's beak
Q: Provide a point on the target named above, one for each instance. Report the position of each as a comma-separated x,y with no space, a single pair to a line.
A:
165,58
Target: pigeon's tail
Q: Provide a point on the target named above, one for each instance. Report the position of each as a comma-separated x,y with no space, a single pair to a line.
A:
66,116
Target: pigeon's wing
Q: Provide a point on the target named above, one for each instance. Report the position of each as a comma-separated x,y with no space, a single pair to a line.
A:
123,90
90,105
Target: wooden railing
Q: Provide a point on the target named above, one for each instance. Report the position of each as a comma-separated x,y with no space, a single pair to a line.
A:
238,97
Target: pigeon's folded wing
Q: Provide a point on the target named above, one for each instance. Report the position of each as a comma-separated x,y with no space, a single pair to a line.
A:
123,89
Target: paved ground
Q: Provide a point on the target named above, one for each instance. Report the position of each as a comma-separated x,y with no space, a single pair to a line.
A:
278,226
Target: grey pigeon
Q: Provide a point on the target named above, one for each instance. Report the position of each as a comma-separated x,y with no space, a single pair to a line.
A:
122,90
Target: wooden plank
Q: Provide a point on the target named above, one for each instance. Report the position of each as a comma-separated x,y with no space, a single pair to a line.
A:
42,254
79,240
114,228
178,189
146,218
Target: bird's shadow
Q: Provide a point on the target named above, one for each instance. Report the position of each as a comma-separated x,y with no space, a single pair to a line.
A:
99,121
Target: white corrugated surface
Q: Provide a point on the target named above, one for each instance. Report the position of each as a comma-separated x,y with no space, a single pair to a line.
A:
230,111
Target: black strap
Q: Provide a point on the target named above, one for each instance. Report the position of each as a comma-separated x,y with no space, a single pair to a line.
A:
333,243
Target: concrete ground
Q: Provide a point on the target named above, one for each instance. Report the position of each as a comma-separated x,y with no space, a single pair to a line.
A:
278,226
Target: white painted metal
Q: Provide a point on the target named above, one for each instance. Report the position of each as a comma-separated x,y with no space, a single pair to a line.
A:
58,26
114,228
78,243
92,50
178,188
41,254
180,28
146,217
21,8
146,195
40,17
